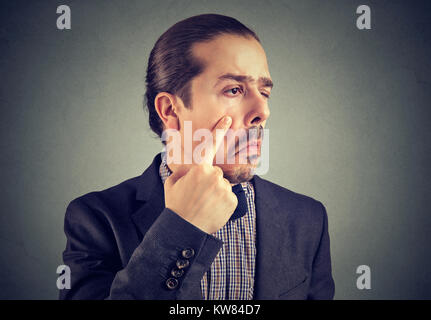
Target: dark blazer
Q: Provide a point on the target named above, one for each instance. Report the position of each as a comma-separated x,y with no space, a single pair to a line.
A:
122,243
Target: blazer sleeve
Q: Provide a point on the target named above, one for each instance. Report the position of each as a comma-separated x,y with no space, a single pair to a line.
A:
96,271
322,285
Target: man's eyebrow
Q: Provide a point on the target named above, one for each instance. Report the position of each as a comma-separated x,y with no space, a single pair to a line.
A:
267,82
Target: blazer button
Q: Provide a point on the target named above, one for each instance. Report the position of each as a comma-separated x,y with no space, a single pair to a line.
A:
172,283
182,263
177,272
188,253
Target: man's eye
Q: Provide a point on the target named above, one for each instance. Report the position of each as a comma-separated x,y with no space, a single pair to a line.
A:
234,91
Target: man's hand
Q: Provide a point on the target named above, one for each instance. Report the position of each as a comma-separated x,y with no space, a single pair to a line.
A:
199,193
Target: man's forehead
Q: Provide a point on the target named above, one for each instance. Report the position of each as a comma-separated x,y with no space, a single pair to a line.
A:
233,57
228,48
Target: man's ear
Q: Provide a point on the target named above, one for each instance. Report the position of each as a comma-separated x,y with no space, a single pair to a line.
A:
165,107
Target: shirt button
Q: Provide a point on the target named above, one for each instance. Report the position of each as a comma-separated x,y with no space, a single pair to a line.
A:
177,272
172,283
188,253
182,263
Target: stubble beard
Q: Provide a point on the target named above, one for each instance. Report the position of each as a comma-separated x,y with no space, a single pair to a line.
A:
242,173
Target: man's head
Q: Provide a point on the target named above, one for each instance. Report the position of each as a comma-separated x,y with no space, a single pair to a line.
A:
204,68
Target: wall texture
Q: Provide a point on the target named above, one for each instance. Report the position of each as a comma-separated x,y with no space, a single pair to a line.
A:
350,125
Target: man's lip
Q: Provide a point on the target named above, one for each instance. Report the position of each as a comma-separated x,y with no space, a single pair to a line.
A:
253,143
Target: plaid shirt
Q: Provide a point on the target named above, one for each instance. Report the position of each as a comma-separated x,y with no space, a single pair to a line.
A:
231,276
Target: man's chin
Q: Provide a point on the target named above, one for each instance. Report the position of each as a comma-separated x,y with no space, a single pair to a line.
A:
239,173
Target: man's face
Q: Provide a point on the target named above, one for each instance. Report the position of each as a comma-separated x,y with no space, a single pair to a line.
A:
235,82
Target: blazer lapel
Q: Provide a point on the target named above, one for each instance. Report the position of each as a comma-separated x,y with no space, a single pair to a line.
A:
276,270
268,236
150,190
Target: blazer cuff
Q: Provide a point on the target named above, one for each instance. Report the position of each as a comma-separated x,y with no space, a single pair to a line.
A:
176,234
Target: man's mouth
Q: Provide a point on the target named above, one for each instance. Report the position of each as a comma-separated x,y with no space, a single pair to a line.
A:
251,147
248,143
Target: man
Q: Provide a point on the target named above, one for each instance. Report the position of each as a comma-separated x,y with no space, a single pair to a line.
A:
199,226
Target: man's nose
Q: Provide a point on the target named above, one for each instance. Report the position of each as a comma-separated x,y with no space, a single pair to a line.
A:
257,110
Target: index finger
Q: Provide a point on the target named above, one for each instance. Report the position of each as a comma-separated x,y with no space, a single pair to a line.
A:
219,132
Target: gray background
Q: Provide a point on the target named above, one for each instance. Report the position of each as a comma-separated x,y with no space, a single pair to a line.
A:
349,125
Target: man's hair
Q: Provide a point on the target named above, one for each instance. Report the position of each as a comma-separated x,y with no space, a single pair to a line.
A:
171,65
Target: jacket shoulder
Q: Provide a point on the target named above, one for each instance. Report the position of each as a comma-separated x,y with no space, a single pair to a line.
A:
121,196
298,205
286,195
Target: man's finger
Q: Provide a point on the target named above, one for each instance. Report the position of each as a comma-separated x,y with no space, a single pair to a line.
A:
218,133
174,177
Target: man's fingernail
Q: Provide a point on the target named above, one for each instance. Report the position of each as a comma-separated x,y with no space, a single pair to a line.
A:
227,121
